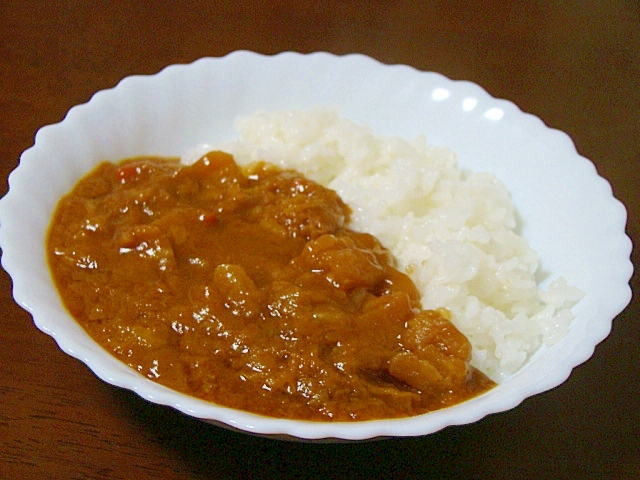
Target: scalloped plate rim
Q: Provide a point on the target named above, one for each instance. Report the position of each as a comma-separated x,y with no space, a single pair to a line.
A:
310,430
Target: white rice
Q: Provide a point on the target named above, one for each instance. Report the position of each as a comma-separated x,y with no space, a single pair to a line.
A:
452,231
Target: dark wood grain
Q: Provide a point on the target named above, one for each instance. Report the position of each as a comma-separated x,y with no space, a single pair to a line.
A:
574,64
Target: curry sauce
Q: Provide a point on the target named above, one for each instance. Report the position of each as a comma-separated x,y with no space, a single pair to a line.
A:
245,287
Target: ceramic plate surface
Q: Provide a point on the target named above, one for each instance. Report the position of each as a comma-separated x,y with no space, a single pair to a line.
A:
568,212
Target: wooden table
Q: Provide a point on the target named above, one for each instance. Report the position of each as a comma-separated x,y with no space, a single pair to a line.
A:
574,64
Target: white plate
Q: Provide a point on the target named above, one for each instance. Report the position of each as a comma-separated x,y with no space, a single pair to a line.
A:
568,212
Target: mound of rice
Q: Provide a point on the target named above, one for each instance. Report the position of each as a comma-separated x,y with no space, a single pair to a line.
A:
452,231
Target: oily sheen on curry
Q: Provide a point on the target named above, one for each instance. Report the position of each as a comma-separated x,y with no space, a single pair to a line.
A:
246,287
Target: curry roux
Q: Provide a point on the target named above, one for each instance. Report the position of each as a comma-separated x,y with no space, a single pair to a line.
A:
244,287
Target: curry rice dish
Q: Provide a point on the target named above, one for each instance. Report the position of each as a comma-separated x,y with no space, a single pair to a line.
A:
260,295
